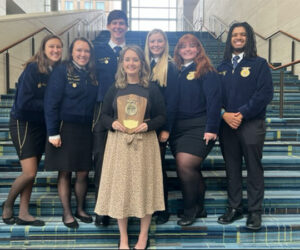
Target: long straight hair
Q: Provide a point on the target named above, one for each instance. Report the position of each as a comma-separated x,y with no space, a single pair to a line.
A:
40,57
121,76
160,70
90,67
250,47
203,64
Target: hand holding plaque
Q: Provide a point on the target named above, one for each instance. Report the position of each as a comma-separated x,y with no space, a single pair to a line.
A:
131,111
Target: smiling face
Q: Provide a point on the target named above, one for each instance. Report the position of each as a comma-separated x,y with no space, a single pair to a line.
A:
53,50
81,53
117,29
238,39
157,44
131,63
188,51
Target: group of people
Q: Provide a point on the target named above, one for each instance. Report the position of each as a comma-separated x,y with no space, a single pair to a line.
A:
117,108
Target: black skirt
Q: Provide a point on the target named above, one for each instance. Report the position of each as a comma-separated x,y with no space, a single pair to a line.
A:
29,138
187,137
75,153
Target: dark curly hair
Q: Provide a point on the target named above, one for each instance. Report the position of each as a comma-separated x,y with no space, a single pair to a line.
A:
250,47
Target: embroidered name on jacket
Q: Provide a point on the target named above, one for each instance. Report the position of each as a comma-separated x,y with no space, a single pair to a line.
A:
73,80
104,60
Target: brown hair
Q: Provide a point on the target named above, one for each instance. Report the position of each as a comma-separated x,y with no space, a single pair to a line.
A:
203,64
40,57
90,67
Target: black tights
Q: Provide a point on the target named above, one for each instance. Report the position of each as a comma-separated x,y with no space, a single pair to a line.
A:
192,182
64,191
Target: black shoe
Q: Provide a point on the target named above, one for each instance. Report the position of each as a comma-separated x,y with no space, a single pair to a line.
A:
162,217
186,221
230,216
36,223
9,221
102,220
74,224
200,214
147,245
85,219
254,221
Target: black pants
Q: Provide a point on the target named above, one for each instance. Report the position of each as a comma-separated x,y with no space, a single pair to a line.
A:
163,147
247,141
99,141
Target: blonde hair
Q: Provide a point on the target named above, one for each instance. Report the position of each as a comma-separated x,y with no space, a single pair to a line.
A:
121,77
160,70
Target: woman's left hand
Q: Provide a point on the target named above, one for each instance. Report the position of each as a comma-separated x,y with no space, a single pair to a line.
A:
143,127
209,136
163,136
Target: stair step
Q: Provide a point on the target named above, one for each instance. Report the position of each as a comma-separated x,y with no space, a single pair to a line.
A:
277,230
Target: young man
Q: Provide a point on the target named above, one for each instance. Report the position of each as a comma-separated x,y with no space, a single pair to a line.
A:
247,90
106,66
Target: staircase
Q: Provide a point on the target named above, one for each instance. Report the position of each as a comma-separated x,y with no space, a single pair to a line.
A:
281,160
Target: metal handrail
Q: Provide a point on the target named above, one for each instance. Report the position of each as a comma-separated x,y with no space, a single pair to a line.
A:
31,35
261,36
284,66
281,83
25,38
50,31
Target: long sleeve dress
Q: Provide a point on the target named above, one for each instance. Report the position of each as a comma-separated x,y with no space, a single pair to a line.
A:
131,178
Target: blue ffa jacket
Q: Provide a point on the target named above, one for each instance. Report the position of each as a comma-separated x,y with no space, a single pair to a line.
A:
69,97
106,68
29,98
200,97
249,89
171,96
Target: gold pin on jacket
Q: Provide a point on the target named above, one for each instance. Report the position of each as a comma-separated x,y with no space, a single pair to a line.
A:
191,75
245,71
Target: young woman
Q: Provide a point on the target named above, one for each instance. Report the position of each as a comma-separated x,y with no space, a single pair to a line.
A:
131,181
164,73
27,127
69,106
197,122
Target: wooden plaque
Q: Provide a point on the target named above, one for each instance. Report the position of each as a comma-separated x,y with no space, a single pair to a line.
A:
131,111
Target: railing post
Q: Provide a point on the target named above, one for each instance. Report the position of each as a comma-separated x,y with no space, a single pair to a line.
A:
281,102
293,56
68,39
219,48
7,71
270,51
32,47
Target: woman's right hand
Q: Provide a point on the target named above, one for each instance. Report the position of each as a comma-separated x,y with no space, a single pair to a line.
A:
116,125
56,142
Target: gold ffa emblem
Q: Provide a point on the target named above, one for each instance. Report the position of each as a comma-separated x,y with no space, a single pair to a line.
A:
74,85
245,71
131,107
191,75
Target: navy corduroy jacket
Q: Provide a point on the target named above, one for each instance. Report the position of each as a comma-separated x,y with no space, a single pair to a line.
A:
69,97
29,98
249,89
